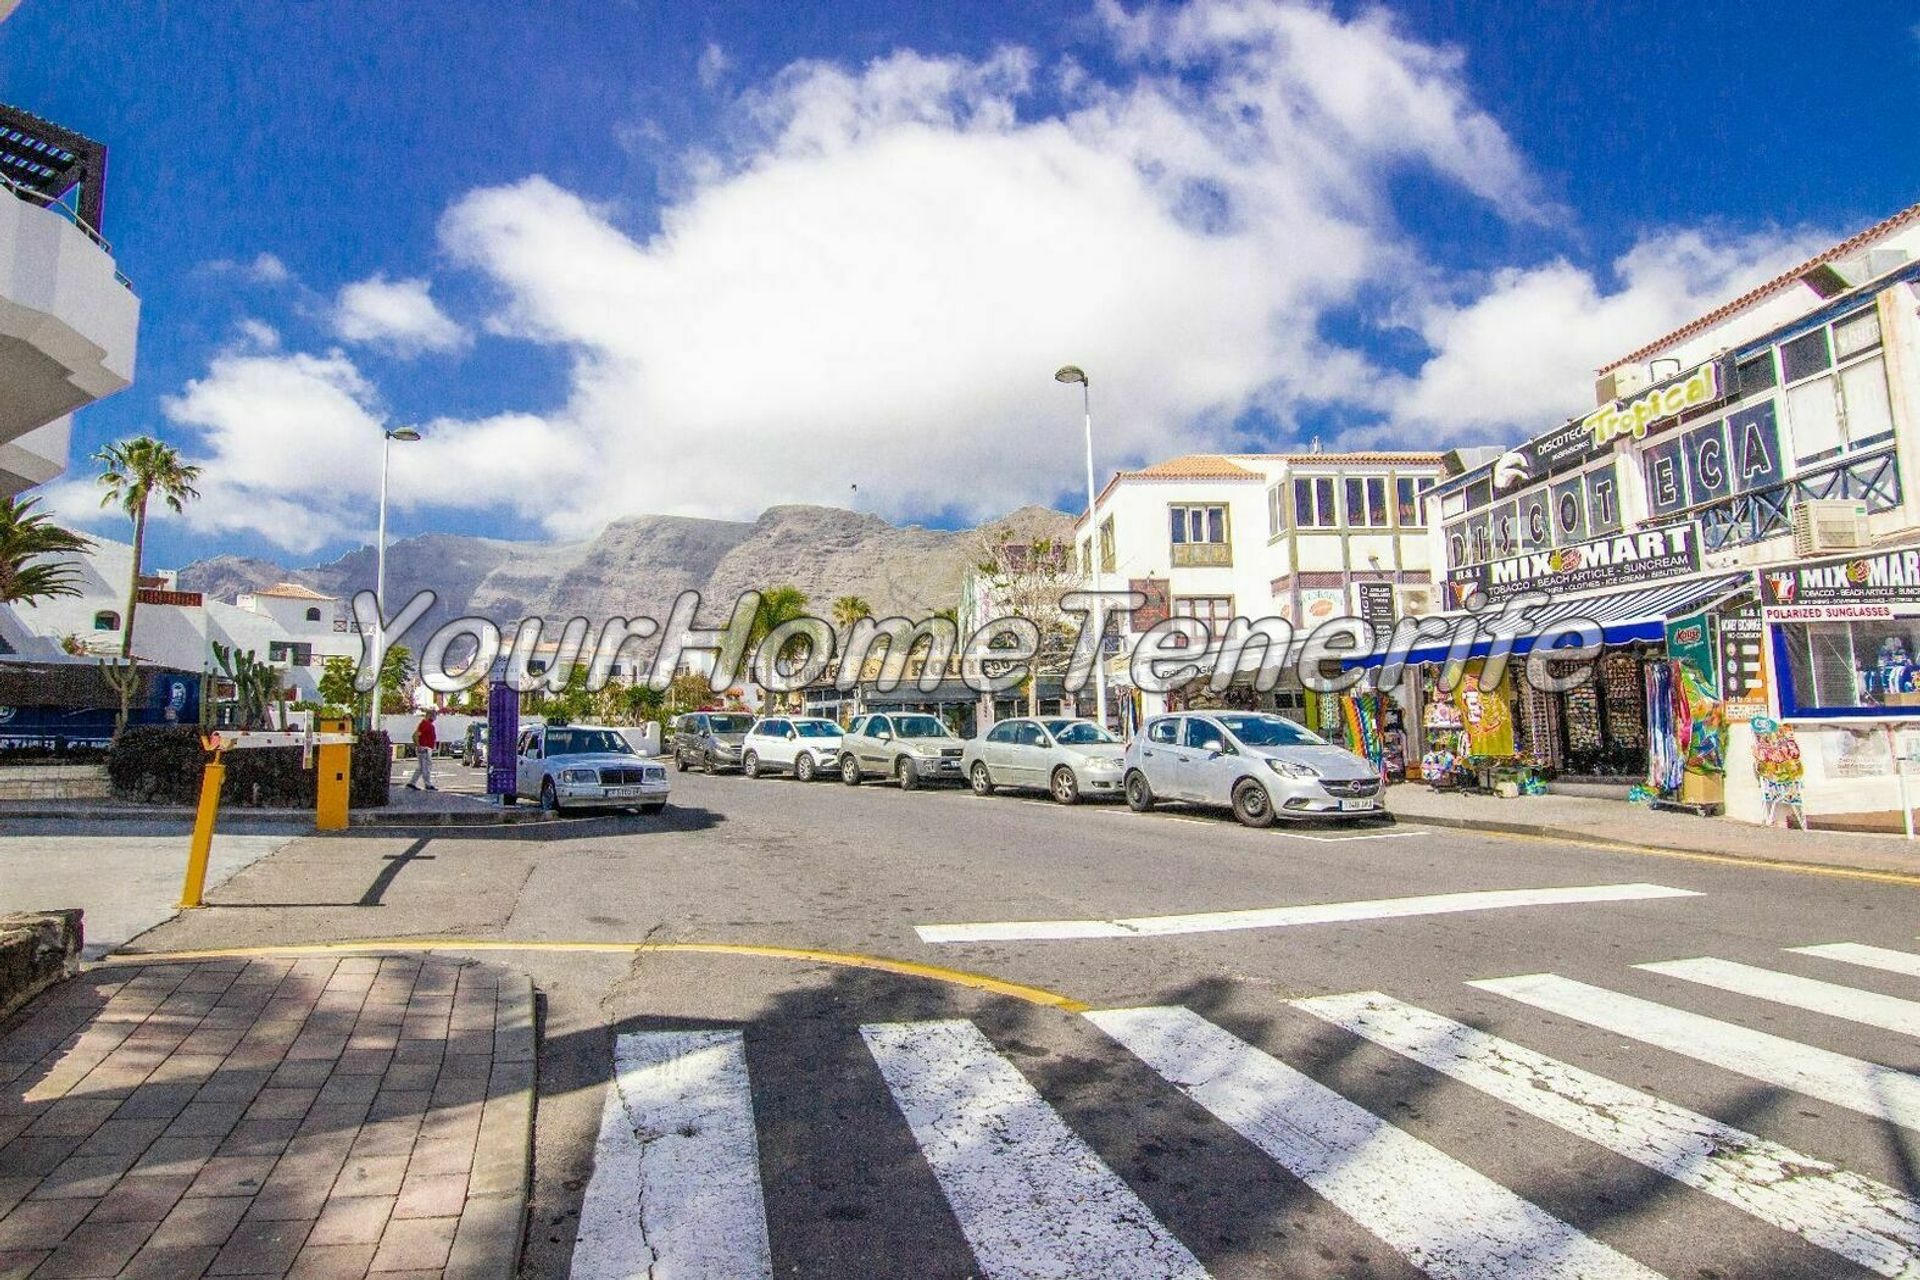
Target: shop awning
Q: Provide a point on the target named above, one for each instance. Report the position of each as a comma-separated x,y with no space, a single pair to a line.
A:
1638,613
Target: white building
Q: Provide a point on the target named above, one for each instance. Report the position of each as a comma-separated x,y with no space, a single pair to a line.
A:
68,318
1307,537
286,624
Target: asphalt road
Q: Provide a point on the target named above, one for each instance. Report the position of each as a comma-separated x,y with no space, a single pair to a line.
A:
969,1131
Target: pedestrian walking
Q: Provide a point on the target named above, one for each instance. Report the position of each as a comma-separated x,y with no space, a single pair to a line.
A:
425,739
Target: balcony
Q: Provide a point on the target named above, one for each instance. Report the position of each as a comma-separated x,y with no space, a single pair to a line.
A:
68,319
1202,555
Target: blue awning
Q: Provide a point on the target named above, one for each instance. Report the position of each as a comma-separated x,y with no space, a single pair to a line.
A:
1639,614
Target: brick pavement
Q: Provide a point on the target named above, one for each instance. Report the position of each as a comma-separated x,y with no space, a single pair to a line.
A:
313,1117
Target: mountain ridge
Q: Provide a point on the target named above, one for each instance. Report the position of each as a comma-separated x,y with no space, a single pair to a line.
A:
637,565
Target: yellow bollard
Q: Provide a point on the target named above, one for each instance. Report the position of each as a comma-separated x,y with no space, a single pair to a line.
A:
203,819
333,762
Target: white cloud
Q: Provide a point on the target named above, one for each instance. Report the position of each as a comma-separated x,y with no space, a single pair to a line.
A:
873,277
398,316
1520,357
713,66
263,269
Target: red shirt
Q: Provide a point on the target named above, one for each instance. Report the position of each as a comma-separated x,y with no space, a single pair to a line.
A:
424,736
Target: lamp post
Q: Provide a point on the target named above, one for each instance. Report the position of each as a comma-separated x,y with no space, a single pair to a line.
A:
405,435
1073,373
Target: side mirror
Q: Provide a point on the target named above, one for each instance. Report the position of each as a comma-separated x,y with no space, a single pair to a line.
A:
793,733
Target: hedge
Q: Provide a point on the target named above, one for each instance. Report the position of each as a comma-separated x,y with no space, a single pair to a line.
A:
162,764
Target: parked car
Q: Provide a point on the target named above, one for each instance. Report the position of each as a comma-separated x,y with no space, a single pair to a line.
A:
1259,765
710,739
473,747
805,746
1067,758
908,747
582,765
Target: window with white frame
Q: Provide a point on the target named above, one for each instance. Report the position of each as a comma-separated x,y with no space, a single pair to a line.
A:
1215,611
1277,510
1205,523
1366,502
1314,503
1836,388
1410,501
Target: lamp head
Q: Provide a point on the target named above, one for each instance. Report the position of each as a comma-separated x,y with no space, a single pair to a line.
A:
1070,373
406,435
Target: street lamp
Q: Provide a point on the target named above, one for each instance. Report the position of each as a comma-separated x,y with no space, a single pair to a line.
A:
405,435
1074,373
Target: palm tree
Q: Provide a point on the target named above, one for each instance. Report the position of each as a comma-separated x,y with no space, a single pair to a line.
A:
26,534
132,471
848,610
777,605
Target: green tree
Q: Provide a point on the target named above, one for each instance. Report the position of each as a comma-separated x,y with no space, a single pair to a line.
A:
337,675
777,605
26,534
133,472
848,610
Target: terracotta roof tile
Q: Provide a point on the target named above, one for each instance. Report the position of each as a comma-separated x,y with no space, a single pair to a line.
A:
1845,248
1195,466
292,591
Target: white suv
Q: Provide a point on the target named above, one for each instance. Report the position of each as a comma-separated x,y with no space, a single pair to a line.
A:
808,747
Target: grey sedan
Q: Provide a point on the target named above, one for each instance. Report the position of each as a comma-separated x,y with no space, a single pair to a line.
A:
1067,758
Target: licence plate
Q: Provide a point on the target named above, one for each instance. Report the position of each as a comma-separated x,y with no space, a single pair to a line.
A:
622,793
1347,806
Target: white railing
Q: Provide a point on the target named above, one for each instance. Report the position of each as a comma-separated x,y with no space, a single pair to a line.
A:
48,202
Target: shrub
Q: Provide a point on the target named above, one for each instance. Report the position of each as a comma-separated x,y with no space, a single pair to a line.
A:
162,764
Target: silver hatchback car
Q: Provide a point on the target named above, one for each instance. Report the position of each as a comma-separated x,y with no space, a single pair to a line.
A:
1257,764
1068,758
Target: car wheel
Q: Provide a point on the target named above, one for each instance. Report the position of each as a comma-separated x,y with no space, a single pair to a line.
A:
680,761
750,764
655,807
1066,787
908,773
1139,794
707,762
804,769
850,770
1252,805
549,798
982,780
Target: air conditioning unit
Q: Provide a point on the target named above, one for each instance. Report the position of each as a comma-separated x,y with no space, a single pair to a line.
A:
1829,524
1619,384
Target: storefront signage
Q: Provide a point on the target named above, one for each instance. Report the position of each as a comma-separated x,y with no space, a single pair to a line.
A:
1695,640
1888,578
1629,558
1633,417
1743,669
1376,607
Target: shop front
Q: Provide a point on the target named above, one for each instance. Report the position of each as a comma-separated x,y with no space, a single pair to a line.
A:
1843,635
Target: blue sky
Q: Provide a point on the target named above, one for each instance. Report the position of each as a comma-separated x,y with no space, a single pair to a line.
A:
628,256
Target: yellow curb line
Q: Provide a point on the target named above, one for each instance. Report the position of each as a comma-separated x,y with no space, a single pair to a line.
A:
1690,855
848,959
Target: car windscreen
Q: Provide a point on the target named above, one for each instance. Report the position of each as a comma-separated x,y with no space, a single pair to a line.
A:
817,728
918,727
730,724
1270,731
1078,733
578,742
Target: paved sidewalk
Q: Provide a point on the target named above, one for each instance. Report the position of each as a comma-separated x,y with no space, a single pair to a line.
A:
1602,821
317,1117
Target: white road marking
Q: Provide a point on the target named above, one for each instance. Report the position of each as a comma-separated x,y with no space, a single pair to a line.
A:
1862,1220
1031,1197
1283,917
675,1192
1869,1008
1866,1087
1442,1216
1868,957
1372,835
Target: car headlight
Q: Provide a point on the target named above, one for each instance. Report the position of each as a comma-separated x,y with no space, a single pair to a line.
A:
579,777
1290,769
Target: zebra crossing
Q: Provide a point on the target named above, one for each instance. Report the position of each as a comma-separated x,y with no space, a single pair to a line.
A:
676,1187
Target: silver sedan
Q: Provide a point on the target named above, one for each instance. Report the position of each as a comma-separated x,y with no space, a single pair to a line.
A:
1067,758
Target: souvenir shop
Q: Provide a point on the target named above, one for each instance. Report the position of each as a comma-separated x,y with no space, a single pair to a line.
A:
1623,727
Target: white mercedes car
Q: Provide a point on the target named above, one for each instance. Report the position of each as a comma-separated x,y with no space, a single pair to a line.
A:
583,765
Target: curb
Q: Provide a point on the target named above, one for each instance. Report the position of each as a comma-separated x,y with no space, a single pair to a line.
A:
501,817
1573,835
492,1230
